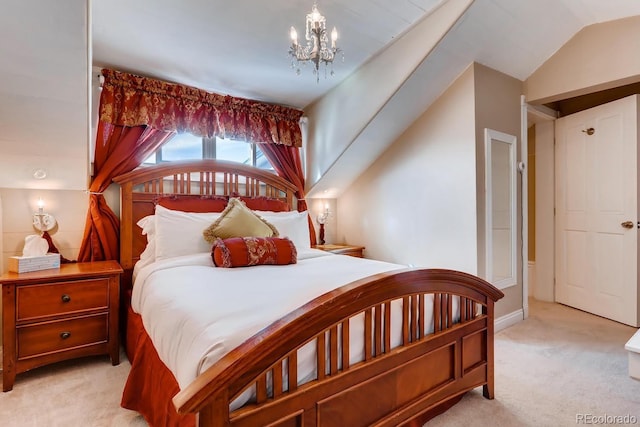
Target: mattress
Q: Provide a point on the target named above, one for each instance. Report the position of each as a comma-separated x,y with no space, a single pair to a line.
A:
196,313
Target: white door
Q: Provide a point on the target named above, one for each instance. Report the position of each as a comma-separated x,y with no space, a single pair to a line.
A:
596,210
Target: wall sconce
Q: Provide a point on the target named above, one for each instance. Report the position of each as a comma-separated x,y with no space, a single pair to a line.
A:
43,221
322,219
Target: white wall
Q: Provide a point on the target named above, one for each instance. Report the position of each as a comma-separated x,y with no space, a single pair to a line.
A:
44,120
44,116
417,203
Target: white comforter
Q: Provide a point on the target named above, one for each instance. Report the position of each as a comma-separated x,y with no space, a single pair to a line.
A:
195,313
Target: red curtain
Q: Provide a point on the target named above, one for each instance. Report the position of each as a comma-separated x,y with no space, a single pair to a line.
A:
131,100
119,149
138,114
288,165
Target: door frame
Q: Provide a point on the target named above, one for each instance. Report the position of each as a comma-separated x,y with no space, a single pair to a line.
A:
537,113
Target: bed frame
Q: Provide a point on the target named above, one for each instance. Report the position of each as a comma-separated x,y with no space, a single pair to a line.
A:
406,385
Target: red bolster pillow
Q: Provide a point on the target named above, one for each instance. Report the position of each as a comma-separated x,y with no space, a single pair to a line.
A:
249,251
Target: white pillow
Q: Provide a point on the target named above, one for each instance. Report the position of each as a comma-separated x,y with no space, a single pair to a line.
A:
293,225
148,225
148,255
179,233
277,214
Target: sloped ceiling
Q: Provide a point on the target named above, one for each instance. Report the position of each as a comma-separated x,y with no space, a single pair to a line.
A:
514,37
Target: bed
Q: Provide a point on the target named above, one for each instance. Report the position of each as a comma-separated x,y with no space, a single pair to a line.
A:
341,341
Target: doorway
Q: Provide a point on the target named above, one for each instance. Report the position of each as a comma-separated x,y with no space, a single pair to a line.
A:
543,285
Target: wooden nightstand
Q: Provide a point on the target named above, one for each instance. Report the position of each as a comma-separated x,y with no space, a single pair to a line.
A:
59,314
350,250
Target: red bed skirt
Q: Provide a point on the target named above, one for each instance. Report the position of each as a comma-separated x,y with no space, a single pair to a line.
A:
150,385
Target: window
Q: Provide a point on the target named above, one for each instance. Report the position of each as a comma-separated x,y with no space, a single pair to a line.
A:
185,146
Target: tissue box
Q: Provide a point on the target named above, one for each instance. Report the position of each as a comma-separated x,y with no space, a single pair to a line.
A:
24,264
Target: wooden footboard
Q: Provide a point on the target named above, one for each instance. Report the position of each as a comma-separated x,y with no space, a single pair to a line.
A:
434,364
398,381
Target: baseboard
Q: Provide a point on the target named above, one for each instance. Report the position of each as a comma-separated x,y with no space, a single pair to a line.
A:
531,272
507,320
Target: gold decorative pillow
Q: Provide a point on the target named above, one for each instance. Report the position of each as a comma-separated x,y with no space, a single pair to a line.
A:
237,220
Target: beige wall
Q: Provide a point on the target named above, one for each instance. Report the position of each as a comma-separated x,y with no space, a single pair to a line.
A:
544,288
598,57
422,201
317,206
69,207
415,204
497,107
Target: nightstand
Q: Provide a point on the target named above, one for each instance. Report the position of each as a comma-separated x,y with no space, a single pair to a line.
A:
59,314
350,250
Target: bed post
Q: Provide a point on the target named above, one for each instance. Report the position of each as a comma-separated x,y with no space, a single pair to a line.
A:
126,226
215,414
487,389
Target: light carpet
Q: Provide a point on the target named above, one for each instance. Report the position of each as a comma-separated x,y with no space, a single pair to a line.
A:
558,365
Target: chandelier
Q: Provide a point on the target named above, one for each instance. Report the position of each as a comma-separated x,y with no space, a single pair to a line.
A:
317,48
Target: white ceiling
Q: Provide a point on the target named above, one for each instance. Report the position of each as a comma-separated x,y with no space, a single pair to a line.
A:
241,47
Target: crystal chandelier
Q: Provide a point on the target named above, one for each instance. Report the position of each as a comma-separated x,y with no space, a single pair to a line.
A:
317,48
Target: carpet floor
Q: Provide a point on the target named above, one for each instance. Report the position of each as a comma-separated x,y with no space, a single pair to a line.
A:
559,367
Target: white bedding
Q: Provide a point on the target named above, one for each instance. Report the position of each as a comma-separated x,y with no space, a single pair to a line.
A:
195,313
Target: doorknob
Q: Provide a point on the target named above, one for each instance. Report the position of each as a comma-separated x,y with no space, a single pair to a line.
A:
627,224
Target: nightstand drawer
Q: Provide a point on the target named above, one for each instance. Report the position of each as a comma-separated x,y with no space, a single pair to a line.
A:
62,297
39,339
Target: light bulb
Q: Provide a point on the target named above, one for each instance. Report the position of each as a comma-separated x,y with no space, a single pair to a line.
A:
40,205
294,35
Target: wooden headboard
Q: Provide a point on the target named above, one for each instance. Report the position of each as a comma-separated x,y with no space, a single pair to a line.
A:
140,189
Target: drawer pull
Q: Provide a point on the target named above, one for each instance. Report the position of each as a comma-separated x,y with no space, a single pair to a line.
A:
65,335
65,298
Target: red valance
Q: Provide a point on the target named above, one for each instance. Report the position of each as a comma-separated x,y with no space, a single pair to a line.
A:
130,100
